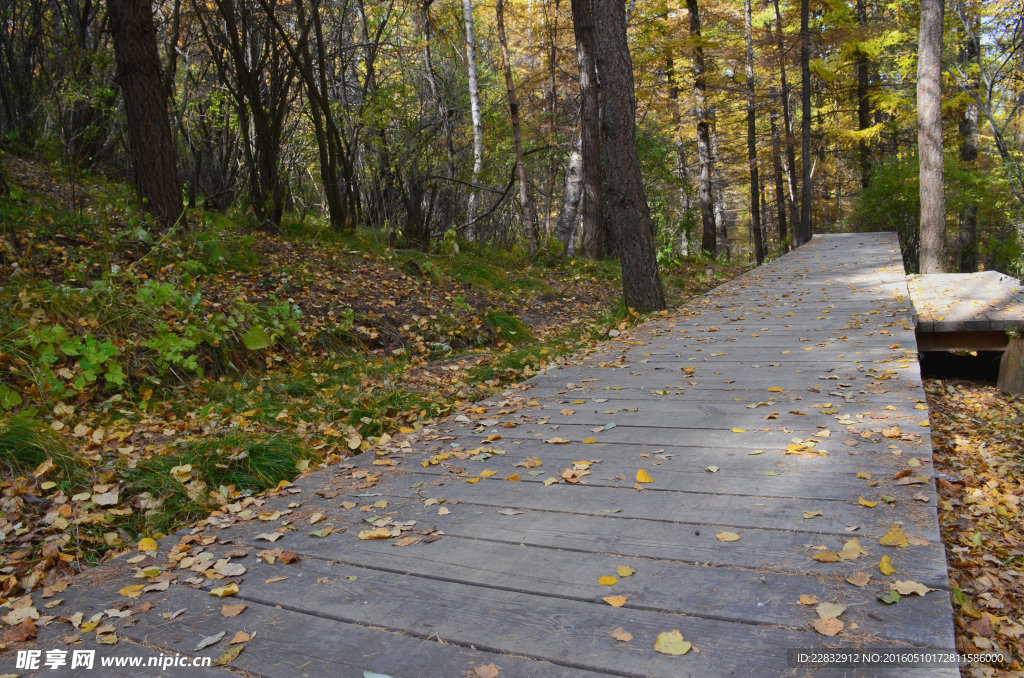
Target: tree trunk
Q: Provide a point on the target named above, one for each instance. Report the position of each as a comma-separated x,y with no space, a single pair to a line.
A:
755,208
428,67
967,250
787,122
565,227
722,244
624,202
145,103
780,190
705,195
529,216
594,243
929,138
474,107
802,231
863,103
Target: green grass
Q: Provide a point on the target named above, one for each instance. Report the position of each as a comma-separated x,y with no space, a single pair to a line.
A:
26,443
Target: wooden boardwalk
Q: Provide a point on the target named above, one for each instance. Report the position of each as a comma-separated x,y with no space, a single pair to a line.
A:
764,409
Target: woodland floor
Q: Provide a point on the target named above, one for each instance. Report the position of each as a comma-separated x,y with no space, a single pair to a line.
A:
978,435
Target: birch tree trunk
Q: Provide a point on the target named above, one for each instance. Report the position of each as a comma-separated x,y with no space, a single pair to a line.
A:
474,109
787,125
565,227
929,138
802,230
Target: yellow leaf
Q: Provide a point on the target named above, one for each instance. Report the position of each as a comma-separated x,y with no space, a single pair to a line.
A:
806,599
556,441
607,581
133,591
865,476
472,480
44,468
590,440
550,481
375,533
487,473
615,601
885,566
671,643
864,502
625,571
739,430
147,544
727,536
826,557
643,476
852,550
894,537
775,389
229,656
514,477
225,591
905,588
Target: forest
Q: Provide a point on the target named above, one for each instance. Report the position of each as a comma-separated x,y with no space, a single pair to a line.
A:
245,239
756,123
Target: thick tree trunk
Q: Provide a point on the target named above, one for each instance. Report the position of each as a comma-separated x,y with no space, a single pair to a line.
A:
705,193
929,138
529,216
624,202
474,108
755,209
594,241
145,103
565,227
802,231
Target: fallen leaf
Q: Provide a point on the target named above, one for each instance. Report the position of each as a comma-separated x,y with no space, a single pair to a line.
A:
224,591
133,591
621,634
812,514
859,579
556,441
852,550
727,536
905,588
210,640
240,637
233,610
671,643
625,571
615,601
230,655
826,557
607,581
147,544
894,537
830,610
589,440
828,627
890,598
643,476
274,580
807,599
269,536
379,532
885,566
26,630
864,502
481,671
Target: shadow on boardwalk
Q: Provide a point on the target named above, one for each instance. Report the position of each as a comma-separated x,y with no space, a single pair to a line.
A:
517,533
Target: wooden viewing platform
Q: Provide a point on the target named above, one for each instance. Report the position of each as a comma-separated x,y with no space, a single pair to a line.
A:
764,410
972,312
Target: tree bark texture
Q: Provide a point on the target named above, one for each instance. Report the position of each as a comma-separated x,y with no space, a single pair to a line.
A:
474,106
929,138
594,240
145,103
565,227
529,216
623,200
705,194
755,209
802,230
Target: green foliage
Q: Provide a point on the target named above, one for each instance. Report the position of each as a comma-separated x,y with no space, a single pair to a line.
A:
508,327
25,443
